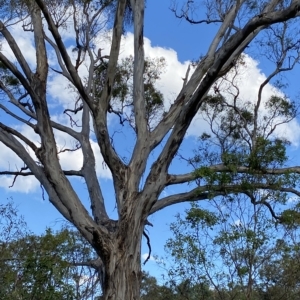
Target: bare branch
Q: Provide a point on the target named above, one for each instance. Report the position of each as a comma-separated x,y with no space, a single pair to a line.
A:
71,69
211,191
226,26
188,177
184,14
196,194
12,143
149,246
14,173
185,79
32,115
59,59
111,158
19,135
41,53
16,50
188,112
89,172
262,202
103,103
17,117
8,64
138,72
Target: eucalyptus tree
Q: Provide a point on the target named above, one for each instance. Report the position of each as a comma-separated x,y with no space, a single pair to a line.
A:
101,92
48,266
231,244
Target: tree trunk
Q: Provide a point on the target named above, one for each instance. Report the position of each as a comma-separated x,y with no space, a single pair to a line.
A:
123,267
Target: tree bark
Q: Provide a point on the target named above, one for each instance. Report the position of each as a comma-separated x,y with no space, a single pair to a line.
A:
122,267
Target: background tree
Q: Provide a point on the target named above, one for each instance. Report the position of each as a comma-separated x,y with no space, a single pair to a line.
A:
280,274
236,248
150,289
24,88
49,266
12,228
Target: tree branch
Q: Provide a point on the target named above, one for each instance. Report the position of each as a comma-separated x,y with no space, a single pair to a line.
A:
138,71
262,202
195,194
16,50
41,52
71,69
142,147
14,173
206,192
110,157
185,178
8,64
17,117
103,103
89,172
32,115
12,143
59,59
19,135
188,112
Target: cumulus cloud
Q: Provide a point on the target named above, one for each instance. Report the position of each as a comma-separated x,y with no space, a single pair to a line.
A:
293,200
238,223
26,44
70,160
171,80
169,84
145,256
248,80
9,161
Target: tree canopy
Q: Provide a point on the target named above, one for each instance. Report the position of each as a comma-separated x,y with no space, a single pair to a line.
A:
235,249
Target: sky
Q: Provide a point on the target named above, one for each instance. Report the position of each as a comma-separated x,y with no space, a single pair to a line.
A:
179,43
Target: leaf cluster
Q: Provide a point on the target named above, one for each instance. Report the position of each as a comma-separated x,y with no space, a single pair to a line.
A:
44,267
122,91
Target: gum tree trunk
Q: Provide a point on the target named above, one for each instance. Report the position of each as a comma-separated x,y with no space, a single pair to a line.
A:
121,260
123,271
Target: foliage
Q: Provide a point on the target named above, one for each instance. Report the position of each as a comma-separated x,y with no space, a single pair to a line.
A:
150,290
49,266
237,249
122,92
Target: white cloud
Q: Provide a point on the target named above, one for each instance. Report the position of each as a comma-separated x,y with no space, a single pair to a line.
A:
25,42
9,161
22,184
145,256
170,84
59,90
293,200
248,81
101,168
70,160
238,223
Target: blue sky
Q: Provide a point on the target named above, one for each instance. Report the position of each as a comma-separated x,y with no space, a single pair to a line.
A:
179,42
